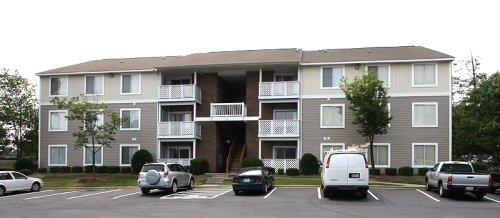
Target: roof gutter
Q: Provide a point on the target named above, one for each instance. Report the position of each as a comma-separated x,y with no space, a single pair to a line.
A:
377,61
95,72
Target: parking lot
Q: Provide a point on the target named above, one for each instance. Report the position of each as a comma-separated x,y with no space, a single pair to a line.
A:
221,202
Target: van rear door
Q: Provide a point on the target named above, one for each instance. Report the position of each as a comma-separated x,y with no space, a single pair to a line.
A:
357,170
337,174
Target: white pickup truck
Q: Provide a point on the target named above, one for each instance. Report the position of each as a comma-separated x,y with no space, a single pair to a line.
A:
457,177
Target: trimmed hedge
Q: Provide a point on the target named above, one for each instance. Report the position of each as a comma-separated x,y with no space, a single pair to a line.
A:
251,162
391,171
54,169
125,169
24,163
88,169
281,171
26,171
309,164
422,171
292,172
376,172
113,169
42,170
76,169
405,171
199,166
64,169
139,158
101,169
271,170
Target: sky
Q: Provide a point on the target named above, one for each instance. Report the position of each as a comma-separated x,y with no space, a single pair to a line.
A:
36,36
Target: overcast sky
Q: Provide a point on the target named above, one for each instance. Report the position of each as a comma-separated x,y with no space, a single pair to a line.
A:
38,35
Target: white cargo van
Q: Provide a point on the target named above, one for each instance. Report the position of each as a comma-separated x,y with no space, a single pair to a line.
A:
344,170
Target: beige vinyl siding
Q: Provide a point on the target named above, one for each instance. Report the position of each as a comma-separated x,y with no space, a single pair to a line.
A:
400,135
145,137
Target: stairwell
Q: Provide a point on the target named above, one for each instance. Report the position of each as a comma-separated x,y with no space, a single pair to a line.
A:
236,160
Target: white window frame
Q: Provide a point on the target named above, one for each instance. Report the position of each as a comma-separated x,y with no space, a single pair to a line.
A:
332,105
388,72
130,109
389,110
424,85
179,147
424,144
295,77
321,76
424,103
100,151
285,110
85,85
121,150
180,112
388,154
66,88
50,120
322,148
139,85
282,146
65,155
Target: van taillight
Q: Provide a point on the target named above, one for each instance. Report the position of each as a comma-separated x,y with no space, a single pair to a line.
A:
450,180
490,182
327,163
165,174
366,164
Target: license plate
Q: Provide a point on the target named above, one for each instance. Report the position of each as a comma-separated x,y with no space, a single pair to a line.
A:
354,175
246,180
469,188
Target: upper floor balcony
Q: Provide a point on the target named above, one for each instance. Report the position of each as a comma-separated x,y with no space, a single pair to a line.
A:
189,92
182,129
228,111
279,128
275,90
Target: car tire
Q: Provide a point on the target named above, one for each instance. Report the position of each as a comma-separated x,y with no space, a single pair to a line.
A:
427,186
35,187
493,190
236,192
173,188
326,193
265,189
191,184
152,177
145,191
443,193
364,194
273,184
480,195
2,190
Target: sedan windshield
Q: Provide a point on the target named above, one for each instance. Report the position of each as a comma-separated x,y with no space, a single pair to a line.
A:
251,173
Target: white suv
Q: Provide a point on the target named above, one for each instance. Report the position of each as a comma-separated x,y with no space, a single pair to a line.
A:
164,176
345,170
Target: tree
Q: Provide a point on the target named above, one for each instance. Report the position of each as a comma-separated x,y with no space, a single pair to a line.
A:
368,102
19,117
92,129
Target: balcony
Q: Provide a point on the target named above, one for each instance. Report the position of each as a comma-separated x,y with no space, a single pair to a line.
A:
188,129
281,163
228,111
181,161
274,90
179,93
278,128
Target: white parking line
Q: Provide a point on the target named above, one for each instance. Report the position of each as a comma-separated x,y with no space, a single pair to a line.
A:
319,193
121,196
373,195
98,193
428,195
22,194
274,189
221,194
44,196
491,199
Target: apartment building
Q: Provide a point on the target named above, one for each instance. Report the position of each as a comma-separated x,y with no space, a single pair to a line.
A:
274,104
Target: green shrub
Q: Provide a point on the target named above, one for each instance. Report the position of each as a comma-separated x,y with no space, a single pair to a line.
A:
251,162
64,169
42,170
139,158
26,171
54,169
76,169
113,169
422,171
24,163
480,167
374,172
281,171
199,166
391,171
292,172
88,169
125,169
101,169
309,164
271,170
405,171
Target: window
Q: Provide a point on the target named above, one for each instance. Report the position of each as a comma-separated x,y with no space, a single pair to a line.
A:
58,86
331,76
424,75
184,81
131,83
425,114
57,155
285,115
332,116
94,85
133,120
88,152
126,153
282,152
381,154
326,147
424,154
58,120
382,73
179,152
285,77
99,121
180,116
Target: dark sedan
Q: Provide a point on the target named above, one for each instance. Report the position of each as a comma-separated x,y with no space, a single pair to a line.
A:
495,177
253,179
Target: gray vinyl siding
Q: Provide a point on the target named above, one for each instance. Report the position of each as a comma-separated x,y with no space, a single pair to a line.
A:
145,137
400,135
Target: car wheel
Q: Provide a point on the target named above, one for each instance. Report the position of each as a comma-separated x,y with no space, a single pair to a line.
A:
265,189
480,195
145,191
174,187
364,194
2,190
427,186
152,177
35,187
191,184
273,184
493,190
443,193
326,193
236,192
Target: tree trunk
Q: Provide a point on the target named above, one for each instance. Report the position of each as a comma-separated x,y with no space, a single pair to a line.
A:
372,160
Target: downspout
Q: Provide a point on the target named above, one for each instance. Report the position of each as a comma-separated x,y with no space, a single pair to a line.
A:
299,71
158,111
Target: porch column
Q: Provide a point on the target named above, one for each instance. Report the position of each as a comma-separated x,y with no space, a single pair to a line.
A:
260,149
194,149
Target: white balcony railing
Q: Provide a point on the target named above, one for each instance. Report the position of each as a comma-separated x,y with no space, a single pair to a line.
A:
281,163
279,89
186,129
189,92
278,128
181,161
228,110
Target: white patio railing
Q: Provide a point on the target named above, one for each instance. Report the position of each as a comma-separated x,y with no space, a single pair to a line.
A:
180,92
228,110
277,128
185,129
279,89
181,161
281,163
